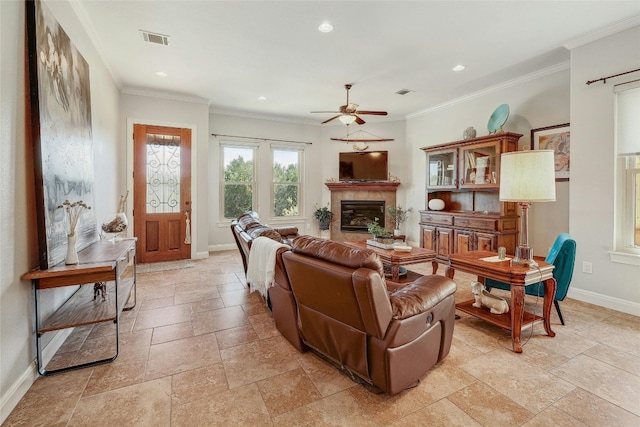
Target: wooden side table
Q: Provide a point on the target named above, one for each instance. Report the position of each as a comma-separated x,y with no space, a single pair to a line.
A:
102,261
517,278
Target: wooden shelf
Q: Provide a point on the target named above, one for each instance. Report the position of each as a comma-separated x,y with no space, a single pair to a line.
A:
81,309
500,320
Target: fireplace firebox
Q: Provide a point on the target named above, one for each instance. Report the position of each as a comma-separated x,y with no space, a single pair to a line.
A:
355,215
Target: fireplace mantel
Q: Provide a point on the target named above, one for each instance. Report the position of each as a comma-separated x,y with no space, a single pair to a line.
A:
363,186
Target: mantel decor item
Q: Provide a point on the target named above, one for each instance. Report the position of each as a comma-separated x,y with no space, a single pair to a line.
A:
469,133
527,177
558,139
498,119
61,134
323,215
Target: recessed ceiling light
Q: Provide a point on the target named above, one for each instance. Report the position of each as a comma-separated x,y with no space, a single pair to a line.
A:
325,27
262,98
459,67
161,74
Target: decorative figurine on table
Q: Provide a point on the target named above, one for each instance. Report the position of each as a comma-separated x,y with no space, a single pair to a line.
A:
496,305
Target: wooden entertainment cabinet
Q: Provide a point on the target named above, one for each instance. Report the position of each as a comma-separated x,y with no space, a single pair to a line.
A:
465,175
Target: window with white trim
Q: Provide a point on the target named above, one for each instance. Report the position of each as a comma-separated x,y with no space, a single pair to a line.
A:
286,181
238,192
627,233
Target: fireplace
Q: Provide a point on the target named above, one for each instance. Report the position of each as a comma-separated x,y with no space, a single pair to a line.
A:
355,215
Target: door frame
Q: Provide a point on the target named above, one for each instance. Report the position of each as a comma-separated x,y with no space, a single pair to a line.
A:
194,176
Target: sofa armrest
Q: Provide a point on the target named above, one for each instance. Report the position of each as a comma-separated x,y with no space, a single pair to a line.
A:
287,231
420,296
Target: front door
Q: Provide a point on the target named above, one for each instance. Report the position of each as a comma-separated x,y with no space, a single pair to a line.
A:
162,192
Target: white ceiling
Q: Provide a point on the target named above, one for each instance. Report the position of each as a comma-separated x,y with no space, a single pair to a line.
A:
231,52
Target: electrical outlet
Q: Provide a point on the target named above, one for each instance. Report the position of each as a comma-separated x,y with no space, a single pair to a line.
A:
587,267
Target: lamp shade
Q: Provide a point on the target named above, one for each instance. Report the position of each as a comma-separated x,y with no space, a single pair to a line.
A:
528,176
347,119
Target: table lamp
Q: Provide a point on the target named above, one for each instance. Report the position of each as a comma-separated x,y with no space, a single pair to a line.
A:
527,177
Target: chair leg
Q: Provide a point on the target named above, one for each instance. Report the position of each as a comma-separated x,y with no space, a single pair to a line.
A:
555,302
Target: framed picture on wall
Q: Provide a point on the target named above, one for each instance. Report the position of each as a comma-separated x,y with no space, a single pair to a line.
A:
558,139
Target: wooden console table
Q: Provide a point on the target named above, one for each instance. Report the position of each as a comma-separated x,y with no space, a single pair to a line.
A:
103,261
517,278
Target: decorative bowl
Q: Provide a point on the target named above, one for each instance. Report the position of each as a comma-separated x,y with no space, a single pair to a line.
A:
401,248
436,204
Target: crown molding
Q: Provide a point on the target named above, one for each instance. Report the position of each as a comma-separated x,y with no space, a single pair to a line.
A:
564,65
619,26
165,95
86,23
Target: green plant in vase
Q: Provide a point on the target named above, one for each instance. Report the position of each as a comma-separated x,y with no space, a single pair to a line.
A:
378,231
398,216
323,215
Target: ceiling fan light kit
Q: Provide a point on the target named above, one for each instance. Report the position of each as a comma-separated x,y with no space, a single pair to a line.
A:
349,112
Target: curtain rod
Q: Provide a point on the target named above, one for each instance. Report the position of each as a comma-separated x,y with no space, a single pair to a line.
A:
262,139
604,79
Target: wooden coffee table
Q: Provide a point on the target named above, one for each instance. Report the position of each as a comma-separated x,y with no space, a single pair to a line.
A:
517,278
396,258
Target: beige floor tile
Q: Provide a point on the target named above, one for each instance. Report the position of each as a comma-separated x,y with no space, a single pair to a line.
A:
182,355
145,404
183,296
264,325
217,320
151,303
553,417
290,390
242,406
198,384
207,305
599,378
620,359
50,400
257,360
442,413
441,381
226,279
171,332
120,373
594,411
241,297
488,407
236,336
529,386
163,316
327,379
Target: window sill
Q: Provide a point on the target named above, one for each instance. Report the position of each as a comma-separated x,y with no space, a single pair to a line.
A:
625,258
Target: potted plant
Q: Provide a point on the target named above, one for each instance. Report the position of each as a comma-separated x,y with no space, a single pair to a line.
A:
378,231
323,215
398,216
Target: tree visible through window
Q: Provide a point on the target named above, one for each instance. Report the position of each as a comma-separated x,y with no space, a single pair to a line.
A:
286,182
239,180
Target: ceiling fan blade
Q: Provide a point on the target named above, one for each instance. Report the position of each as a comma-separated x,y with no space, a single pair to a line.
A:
359,121
375,113
332,118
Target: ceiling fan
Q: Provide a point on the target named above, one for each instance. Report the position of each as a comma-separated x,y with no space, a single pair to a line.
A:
349,113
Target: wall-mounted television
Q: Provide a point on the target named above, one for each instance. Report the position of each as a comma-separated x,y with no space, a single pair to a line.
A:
364,166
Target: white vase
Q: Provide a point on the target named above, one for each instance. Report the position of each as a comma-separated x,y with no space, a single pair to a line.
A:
72,253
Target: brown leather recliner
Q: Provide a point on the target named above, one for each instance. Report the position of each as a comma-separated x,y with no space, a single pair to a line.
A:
346,313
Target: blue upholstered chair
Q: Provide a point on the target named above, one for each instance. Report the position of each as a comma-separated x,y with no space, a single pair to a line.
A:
563,256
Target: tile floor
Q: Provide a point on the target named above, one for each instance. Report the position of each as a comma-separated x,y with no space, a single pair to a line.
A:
200,350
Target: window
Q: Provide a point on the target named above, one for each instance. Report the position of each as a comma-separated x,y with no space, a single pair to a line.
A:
286,181
239,182
627,235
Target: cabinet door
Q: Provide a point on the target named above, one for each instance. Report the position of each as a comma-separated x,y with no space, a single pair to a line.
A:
441,169
445,241
485,242
463,241
479,165
428,237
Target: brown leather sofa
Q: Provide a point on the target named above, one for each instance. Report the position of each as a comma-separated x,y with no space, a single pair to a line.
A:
247,227
283,307
344,311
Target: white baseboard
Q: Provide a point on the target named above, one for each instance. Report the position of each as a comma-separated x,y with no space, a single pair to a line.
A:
605,301
202,255
10,399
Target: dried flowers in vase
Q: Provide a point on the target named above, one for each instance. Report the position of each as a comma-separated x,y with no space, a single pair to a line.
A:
74,210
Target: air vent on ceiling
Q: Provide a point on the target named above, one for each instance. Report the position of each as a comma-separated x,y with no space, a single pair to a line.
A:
404,91
155,38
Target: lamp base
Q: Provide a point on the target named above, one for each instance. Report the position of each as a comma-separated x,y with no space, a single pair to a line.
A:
524,257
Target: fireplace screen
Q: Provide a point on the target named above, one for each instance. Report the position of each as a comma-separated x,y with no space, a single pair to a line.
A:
355,215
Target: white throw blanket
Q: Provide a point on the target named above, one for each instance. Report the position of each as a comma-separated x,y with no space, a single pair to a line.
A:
262,264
